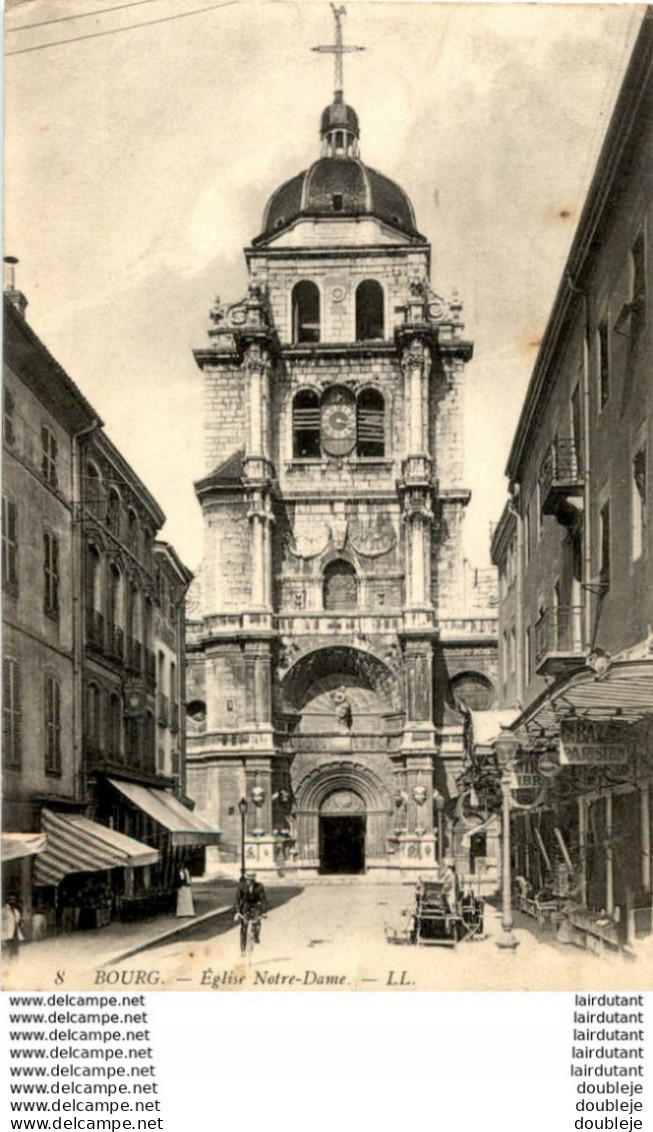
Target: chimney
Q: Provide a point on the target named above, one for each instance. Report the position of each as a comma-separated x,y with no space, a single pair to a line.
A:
16,298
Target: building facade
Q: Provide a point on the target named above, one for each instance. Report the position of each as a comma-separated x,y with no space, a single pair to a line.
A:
95,818
337,623
574,548
43,416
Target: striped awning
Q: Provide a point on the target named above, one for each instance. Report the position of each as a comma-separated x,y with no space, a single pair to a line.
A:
75,844
184,826
16,845
625,692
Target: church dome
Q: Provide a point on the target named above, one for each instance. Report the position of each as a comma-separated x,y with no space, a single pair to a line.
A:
338,186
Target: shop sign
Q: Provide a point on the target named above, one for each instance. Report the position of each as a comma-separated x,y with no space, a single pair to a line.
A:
527,787
525,775
590,742
525,780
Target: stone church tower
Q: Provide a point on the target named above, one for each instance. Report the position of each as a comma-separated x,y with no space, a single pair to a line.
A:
337,627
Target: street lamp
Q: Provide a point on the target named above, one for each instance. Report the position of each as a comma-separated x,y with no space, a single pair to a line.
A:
506,746
439,806
243,807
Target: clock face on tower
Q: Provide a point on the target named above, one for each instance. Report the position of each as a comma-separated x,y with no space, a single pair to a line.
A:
338,422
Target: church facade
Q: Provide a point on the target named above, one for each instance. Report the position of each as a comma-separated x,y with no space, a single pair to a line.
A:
337,629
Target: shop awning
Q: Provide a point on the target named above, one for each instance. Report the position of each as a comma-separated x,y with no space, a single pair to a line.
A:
77,845
185,827
15,845
624,692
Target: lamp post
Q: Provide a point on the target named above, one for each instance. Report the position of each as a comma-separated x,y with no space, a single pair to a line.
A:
439,806
243,807
506,746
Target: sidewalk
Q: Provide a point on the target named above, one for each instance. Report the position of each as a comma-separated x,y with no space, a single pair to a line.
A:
95,948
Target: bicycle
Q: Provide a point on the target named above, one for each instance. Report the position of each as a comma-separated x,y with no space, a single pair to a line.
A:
252,926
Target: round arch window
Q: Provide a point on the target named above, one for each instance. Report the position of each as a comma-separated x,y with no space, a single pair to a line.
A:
473,690
369,310
340,586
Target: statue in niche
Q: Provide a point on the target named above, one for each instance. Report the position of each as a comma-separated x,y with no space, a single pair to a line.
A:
393,656
288,652
342,707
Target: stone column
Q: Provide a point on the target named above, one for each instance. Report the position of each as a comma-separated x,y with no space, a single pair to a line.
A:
267,556
418,564
419,675
257,368
258,517
416,364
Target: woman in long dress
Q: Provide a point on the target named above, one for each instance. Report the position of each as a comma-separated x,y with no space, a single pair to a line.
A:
184,894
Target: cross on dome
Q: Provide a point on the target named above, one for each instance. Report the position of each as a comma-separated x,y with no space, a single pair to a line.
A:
338,49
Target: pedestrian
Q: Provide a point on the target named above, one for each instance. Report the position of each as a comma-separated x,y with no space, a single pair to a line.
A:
12,933
251,903
447,878
185,905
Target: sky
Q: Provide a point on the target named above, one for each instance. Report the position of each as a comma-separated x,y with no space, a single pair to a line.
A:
139,159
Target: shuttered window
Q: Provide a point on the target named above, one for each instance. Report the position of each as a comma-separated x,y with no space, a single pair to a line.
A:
49,455
340,590
115,725
50,574
306,312
370,424
8,420
12,717
9,545
306,425
52,725
369,310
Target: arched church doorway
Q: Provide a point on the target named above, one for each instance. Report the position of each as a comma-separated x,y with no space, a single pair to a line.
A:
342,828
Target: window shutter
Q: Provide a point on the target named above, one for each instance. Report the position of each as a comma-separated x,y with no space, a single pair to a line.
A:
11,712
371,426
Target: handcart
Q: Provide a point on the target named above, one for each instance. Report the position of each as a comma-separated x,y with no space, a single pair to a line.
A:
440,918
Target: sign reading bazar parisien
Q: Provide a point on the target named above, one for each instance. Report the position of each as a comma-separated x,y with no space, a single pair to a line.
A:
591,742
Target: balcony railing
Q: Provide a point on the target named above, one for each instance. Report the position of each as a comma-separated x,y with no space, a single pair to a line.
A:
115,641
341,744
95,628
321,624
162,708
559,639
133,654
561,475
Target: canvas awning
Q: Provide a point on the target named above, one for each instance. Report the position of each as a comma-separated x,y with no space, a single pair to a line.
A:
15,845
75,844
625,692
487,725
185,827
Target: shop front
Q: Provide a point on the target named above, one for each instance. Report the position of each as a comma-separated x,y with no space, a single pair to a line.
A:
161,820
19,852
82,872
586,851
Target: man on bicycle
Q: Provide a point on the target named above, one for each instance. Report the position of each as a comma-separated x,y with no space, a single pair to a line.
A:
251,904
